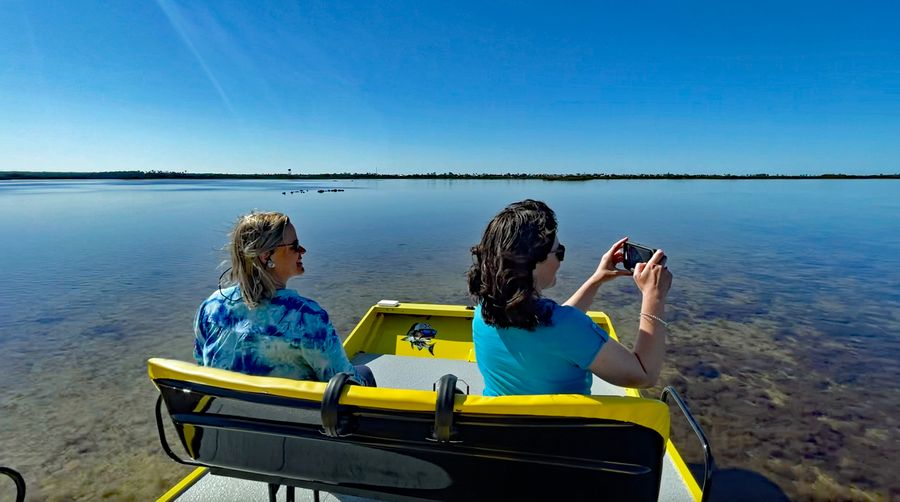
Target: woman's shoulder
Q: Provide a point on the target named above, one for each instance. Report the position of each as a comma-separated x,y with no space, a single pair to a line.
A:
565,314
223,303
549,309
575,322
292,300
223,295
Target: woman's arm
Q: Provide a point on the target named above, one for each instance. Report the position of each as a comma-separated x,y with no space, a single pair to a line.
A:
641,367
583,298
327,357
320,344
606,271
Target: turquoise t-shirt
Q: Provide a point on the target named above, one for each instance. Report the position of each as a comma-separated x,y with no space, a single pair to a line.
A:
551,359
288,336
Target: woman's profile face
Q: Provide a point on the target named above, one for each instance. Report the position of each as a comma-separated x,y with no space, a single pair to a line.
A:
545,271
288,257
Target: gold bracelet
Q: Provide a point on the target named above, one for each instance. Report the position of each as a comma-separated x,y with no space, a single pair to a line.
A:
657,319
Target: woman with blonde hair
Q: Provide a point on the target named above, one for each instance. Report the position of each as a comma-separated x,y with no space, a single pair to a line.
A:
526,343
259,327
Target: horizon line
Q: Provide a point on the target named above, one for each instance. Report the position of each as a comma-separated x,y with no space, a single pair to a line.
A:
157,174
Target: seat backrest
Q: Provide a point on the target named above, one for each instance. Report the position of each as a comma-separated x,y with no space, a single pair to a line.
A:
383,442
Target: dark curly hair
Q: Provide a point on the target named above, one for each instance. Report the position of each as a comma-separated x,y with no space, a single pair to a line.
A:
501,277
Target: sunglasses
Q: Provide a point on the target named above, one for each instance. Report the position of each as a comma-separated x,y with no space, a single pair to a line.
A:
560,252
294,245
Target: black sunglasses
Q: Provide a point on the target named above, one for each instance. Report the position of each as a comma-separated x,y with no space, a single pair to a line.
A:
296,245
560,252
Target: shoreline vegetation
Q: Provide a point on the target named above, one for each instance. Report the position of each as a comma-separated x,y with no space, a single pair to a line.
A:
165,175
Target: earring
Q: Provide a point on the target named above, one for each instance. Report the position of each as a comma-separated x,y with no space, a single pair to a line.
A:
270,264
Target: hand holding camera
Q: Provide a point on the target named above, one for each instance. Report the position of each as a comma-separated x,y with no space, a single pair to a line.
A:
607,270
635,253
645,264
652,277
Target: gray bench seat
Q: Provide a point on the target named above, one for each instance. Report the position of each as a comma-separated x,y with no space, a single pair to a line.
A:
407,372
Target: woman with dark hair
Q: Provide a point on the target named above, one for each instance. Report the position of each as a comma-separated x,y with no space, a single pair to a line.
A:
259,327
528,344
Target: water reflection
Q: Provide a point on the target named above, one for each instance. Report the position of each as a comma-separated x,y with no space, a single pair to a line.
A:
785,299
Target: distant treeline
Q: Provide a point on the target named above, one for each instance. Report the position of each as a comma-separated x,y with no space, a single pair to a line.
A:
157,175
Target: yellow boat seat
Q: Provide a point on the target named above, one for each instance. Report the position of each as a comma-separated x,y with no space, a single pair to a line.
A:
412,444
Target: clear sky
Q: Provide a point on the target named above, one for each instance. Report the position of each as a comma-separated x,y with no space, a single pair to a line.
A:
419,86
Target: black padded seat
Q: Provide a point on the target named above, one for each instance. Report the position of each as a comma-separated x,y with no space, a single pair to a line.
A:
522,447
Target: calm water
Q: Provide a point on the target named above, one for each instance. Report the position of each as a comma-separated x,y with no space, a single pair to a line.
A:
786,302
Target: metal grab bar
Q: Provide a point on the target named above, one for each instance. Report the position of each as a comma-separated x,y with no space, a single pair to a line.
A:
709,462
18,480
162,436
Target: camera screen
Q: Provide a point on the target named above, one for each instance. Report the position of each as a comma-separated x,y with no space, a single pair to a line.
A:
635,254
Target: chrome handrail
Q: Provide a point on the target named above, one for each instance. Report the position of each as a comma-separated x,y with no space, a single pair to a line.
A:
709,462
17,479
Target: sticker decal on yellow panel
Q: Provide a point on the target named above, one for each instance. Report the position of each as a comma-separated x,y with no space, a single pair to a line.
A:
421,336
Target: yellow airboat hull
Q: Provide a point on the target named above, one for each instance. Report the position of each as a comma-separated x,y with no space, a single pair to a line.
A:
408,368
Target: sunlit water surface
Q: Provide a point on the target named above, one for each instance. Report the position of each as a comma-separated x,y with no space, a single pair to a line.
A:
786,306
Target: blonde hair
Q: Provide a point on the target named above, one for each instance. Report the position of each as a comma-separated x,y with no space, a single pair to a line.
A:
254,235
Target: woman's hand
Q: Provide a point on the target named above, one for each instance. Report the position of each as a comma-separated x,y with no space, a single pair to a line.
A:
653,279
607,270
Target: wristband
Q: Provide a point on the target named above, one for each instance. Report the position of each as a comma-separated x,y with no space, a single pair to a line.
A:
657,319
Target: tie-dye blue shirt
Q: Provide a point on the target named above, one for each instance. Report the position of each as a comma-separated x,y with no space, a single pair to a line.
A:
288,336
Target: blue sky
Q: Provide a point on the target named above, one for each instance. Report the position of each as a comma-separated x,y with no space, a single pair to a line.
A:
401,87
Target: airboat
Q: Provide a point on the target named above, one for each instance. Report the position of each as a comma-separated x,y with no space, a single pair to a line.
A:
425,433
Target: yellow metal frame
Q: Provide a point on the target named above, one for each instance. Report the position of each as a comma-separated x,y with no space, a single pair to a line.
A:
454,342
182,486
371,334
681,466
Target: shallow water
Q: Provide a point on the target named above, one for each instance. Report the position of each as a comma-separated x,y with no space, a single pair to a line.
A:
786,306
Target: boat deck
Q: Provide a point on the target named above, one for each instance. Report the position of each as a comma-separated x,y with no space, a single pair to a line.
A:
406,372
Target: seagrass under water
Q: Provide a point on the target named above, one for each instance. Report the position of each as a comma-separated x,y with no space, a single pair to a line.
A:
784,304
